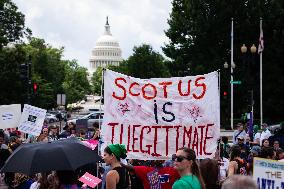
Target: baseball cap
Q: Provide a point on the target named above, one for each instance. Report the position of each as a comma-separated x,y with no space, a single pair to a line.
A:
241,137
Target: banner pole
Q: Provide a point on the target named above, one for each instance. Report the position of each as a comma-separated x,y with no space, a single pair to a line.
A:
219,88
232,71
260,75
100,125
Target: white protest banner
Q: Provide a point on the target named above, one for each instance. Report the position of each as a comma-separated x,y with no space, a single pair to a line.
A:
32,120
10,116
268,173
155,117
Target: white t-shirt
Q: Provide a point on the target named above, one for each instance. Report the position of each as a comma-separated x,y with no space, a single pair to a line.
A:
224,168
256,136
236,135
4,147
35,185
264,135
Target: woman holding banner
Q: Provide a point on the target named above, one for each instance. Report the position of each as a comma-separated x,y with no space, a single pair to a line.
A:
117,177
185,163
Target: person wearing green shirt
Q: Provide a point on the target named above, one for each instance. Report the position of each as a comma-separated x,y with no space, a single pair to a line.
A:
185,164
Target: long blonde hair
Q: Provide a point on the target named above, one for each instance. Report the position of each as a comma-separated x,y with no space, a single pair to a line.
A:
19,178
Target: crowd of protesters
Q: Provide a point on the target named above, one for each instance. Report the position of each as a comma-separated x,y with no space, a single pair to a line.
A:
181,172
231,168
10,140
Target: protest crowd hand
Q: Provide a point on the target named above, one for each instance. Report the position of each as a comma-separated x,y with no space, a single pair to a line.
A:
97,134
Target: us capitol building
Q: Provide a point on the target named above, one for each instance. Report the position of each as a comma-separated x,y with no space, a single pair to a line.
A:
106,52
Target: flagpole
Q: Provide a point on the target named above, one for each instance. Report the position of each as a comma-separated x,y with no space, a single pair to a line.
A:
232,79
260,62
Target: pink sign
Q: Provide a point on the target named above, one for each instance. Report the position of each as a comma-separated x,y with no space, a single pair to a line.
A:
90,180
91,143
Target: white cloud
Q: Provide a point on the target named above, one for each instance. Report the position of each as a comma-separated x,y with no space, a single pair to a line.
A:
77,25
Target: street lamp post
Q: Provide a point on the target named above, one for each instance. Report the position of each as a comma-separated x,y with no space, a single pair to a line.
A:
232,67
250,85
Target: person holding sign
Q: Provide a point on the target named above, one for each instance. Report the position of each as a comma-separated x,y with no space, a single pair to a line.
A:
116,178
185,164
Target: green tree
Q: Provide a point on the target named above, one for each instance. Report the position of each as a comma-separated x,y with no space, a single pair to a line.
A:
12,89
199,41
12,23
48,71
146,63
54,75
76,84
97,81
12,29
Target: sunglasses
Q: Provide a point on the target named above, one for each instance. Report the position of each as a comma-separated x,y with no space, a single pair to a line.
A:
178,158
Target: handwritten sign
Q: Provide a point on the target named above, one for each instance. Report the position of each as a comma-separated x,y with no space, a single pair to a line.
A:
32,120
268,173
10,116
155,117
90,180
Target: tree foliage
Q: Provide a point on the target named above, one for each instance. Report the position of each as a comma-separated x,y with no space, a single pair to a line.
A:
97,81
12,90
76,84
146,63
12,23
52,74
199,40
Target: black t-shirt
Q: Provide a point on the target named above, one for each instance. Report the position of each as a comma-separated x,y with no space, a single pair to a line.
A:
123,178
4,154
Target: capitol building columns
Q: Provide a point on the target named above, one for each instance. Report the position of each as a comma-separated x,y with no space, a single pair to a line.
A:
106,52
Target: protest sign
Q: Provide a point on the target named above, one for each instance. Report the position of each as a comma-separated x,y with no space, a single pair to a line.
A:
10,116
32,120
268,173
91,143
155,117
90,180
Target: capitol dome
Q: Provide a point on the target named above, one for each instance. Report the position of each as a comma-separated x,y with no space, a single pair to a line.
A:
106,52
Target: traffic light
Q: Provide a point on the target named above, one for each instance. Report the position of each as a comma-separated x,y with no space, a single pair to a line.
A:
24,71
35,88
225,94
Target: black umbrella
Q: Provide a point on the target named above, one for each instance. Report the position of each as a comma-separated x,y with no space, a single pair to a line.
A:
68,154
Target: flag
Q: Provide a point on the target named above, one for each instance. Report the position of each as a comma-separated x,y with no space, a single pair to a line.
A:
261,41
